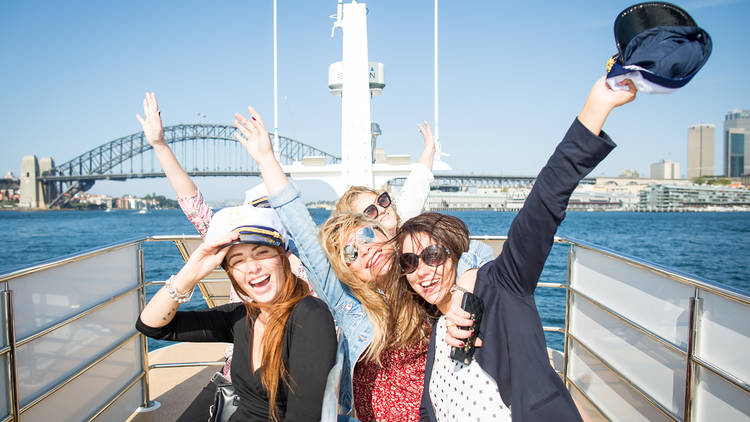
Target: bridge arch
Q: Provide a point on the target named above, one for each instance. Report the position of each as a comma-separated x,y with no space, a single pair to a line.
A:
106,161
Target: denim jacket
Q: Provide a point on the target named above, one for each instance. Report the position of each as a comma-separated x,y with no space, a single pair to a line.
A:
357,329
350,315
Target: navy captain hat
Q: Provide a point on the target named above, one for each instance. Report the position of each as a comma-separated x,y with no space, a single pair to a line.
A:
660,48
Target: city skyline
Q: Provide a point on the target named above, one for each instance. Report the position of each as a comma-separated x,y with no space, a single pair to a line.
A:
736,143
510,81
701,144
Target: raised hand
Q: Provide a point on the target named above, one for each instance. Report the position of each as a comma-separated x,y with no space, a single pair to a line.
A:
252,134
602,93
601,100
151,124
426,131
206,257
428,154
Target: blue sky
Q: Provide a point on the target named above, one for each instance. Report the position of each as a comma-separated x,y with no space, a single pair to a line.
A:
513,75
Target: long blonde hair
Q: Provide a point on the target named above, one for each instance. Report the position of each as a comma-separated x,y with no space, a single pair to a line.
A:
344,203
292,292
331,237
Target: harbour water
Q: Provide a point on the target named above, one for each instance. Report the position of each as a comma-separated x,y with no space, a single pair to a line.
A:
710,245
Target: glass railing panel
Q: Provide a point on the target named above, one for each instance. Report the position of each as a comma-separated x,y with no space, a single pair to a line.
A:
645,297
652,367
723,322
4,387
191,244
586,408
84,395
46,297
615,398
715,399
3,334
52,358
122,409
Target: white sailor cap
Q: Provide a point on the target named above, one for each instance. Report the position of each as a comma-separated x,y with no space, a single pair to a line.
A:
257,196
260,226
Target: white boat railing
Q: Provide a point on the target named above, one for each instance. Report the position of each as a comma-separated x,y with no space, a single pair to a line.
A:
641,342
70,350
644,342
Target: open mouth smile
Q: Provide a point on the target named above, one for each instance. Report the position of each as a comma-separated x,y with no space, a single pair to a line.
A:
375,259
260,282
427,284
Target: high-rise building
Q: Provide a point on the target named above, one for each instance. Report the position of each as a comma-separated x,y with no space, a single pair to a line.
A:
700,151
665,169
737,143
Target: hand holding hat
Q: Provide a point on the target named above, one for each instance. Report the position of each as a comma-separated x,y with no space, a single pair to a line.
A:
660,48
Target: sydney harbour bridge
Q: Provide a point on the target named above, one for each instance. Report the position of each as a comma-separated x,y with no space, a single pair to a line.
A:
203,150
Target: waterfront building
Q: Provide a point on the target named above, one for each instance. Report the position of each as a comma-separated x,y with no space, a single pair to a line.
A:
700,151
737,143
629,174
665,169
505,199
674,197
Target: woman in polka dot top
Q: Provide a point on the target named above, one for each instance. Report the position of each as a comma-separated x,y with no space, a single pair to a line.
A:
510,377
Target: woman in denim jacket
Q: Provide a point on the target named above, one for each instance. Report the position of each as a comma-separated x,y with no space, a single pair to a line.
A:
353,285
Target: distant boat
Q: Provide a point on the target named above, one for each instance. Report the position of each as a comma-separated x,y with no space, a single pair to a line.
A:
143,211
108,210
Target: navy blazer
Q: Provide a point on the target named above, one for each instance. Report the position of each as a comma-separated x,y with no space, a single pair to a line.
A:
514,351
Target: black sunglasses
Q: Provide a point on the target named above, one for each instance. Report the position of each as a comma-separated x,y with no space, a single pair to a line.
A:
432,255
384,200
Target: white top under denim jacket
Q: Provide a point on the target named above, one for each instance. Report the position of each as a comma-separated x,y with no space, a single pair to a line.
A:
350,316
413,195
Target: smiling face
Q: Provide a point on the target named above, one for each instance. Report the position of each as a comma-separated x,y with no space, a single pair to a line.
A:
258,271
433,284
386,216
373,258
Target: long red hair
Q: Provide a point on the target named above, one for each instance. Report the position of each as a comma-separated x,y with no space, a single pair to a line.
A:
290,293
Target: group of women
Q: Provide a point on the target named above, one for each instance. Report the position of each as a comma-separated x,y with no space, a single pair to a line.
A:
389,278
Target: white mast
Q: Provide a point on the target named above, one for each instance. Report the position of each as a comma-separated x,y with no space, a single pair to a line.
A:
438,150
356,138
275,88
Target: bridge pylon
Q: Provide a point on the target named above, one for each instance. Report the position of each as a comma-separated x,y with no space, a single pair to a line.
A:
35,191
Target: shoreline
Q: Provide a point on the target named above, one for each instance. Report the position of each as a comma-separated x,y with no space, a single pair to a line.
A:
634,211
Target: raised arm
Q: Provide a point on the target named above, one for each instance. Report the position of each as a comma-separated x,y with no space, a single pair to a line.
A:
285,199
161,309
253,135
428,154
413,195
152,129
532,231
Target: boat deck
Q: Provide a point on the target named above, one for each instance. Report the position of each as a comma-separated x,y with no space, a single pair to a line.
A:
175,388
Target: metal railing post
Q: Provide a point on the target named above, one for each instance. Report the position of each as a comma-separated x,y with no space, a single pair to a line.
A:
147,404
10,334
695,307
566,349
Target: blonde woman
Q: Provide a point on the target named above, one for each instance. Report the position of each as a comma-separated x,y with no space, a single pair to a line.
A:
379,205
352,272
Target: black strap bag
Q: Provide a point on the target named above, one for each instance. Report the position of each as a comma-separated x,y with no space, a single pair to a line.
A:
226,399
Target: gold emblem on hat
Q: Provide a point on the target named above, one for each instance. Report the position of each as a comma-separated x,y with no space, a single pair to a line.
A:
611,62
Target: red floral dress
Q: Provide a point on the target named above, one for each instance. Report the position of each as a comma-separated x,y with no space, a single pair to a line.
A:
393,391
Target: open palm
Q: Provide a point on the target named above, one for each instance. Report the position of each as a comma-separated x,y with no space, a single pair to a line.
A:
252,134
